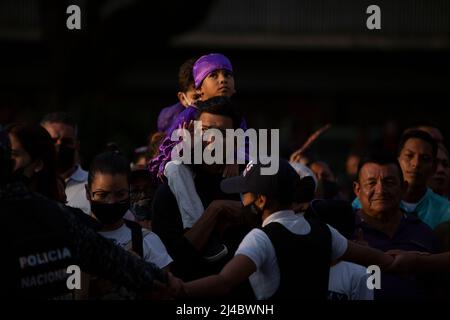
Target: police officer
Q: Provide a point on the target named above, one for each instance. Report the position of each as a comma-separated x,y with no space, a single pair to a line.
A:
42,238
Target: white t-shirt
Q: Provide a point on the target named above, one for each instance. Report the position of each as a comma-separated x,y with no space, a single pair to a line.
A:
154,249
76,190
348,281
258,247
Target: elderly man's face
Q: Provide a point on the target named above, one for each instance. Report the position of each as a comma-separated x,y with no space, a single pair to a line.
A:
379,188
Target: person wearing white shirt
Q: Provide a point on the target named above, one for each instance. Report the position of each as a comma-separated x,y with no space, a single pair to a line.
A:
64,132
108,191
348,281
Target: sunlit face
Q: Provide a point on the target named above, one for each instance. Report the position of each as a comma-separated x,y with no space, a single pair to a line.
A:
248,198
108,188
416,161
379,188
61,133
217,83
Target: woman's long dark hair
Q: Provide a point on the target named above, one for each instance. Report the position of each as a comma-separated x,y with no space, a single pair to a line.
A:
38,143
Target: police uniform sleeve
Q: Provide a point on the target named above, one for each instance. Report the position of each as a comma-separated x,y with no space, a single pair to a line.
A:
99,256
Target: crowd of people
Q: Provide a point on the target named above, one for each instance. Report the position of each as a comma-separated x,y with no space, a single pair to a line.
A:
158,228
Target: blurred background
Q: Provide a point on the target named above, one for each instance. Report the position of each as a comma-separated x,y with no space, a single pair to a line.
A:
299,64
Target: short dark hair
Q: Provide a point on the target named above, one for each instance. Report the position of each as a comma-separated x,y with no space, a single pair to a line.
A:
381,159
60,117
110,162
422,123
185,75
221,106
418,134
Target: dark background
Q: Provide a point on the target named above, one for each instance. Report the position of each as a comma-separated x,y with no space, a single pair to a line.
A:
298,65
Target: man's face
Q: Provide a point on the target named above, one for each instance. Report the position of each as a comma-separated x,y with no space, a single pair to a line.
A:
440,181
351,165
217,83
379,188
416,161
213,121
61,134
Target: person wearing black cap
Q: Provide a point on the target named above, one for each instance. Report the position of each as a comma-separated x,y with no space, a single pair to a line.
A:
290,256
45,237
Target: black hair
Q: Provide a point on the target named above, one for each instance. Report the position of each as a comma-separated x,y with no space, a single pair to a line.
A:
422,123
418,134
110,162
39,145
186,76
382,158
220,106
60,117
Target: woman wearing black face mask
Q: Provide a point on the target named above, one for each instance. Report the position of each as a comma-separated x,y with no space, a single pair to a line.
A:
108,191
34,158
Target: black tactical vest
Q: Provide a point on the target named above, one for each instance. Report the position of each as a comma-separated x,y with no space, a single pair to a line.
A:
303,260
38,248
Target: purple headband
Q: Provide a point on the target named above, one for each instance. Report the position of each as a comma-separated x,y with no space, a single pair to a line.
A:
207,64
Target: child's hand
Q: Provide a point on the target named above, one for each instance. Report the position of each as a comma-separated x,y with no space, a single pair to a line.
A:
188,131
231,170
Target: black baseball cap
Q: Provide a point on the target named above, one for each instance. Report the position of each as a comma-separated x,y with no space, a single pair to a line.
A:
281,185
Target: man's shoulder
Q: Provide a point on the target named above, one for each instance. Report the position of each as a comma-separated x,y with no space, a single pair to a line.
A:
439,200
256,237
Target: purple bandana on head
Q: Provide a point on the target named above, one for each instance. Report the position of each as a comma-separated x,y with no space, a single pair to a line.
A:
207,64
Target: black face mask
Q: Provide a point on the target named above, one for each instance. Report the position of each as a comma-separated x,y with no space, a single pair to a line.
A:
253,208
66,157
110,213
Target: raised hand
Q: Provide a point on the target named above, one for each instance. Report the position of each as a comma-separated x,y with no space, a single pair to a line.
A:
296,156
